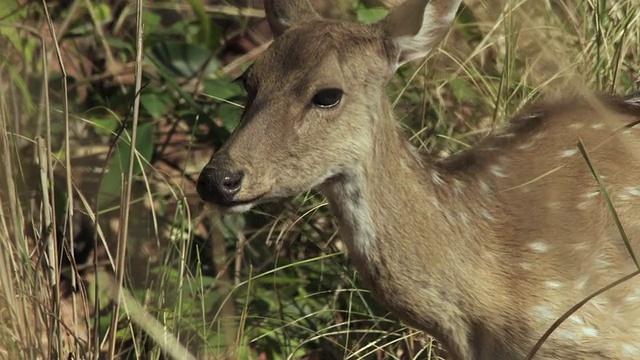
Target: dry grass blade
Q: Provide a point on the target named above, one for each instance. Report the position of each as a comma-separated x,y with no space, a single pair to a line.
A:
51,253
607,199
126,200
156,330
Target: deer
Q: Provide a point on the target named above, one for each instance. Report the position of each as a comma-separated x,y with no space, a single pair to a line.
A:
485,249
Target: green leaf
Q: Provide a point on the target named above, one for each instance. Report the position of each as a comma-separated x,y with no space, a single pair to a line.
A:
12,14
21,84
151,21
120,44
182,59
153,104
204,33
370,15
462,90
230,116
222,88
103,13
105,126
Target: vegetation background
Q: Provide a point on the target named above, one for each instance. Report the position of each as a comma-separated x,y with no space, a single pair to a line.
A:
79,79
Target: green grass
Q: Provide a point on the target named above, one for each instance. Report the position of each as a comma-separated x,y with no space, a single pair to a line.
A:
274,283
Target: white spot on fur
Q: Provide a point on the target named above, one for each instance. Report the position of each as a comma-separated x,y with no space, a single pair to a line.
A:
458,187
576,319
497,171
624,197
487,215
633,191
527,145
464,218
632,298
589,331
630,350
599,303
566,334
592,194
484,186
581,245
554,284
539,247
602,261
581,283
437,179
543,312
576,126
435,203
583,205
527,266
569,153
598,126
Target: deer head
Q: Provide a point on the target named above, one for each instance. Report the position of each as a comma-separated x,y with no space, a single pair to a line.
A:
315,99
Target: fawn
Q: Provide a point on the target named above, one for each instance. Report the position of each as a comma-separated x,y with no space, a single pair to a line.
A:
485,249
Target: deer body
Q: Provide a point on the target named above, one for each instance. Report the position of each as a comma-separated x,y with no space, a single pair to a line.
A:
484,250
457,231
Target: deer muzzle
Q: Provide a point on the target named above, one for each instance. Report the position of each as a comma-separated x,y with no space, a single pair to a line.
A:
219,184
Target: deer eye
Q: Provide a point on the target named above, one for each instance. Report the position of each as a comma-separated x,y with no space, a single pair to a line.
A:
327,98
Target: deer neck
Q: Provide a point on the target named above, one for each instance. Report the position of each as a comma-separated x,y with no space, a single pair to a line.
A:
419,234
389,206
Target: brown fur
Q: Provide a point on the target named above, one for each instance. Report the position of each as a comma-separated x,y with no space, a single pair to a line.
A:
484,250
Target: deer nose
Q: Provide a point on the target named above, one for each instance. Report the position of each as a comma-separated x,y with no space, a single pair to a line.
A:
219,185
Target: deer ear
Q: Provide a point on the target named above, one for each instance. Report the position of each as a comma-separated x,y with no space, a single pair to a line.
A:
417,26
283,14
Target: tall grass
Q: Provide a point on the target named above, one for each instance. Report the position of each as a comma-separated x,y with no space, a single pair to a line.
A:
163,277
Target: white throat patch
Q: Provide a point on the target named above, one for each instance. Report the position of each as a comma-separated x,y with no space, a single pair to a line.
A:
347,197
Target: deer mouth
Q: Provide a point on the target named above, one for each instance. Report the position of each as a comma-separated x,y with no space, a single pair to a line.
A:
241,206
